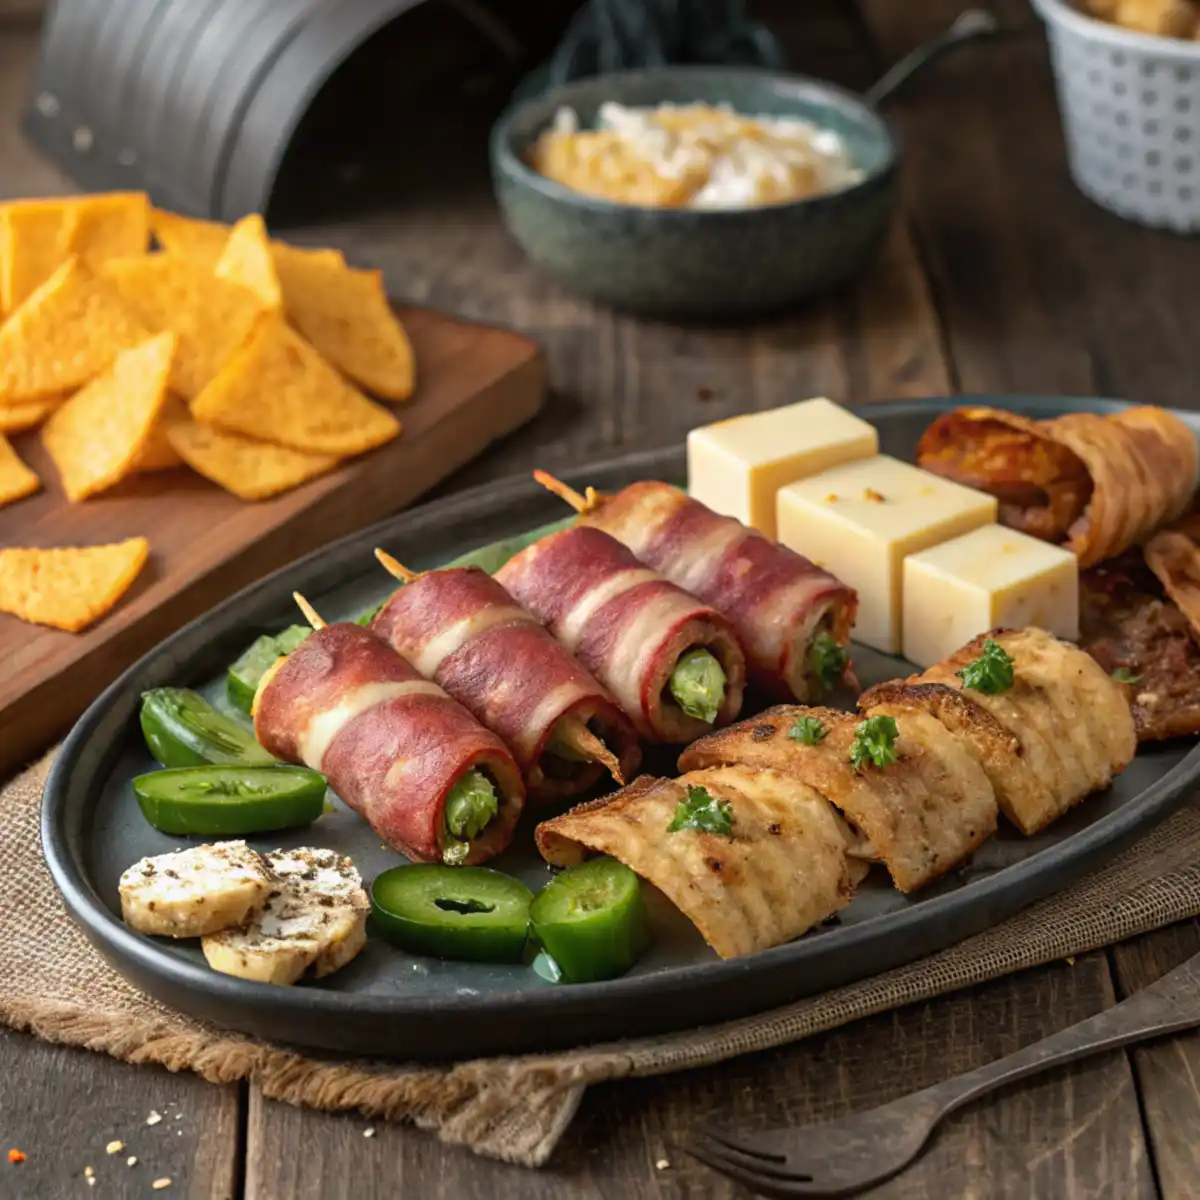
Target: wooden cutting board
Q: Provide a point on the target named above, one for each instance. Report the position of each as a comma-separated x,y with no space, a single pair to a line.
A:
475,384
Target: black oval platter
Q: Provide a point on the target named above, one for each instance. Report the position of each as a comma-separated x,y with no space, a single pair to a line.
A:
390,1004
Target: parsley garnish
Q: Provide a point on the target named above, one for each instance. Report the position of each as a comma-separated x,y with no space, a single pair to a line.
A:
875,741
826,661
808,730
991,672
703,812
1125,675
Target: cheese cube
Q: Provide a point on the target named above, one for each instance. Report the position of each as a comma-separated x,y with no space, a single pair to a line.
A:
988,578
736,467
862,519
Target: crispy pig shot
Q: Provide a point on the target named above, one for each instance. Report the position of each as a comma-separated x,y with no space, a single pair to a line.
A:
673,663
460,628
921,815
792,618
753,858
425,775
1049,730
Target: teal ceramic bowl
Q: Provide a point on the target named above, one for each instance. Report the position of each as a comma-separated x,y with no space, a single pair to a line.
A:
689,262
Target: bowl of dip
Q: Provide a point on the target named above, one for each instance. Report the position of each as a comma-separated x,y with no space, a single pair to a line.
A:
705,192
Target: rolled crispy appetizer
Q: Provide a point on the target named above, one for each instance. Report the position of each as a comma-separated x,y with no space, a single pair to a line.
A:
1043,719
424,774
1097,484
460,628
1174,557
921,805
673,663
752,858
792,618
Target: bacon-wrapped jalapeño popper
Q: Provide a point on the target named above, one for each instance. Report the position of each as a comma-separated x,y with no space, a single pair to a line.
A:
424,774
460,628
792,618
672,662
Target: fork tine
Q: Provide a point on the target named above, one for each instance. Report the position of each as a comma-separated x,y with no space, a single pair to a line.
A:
743,1145
766,1185
732,1155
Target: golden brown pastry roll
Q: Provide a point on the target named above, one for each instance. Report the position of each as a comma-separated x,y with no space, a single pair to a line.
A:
1174,557
922,815
781,868
1060,732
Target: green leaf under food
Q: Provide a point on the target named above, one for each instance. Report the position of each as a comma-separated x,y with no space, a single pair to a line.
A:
991,672
703,812
1125,675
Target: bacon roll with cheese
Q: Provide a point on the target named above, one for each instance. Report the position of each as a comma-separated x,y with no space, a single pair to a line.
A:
1054,731
921,815
460,628
792,618
424,774
1097,484
753,858
672,662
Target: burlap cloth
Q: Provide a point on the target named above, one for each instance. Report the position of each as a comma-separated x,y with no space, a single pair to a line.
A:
53,983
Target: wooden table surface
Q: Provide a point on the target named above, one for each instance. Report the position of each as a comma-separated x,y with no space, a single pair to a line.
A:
1001,278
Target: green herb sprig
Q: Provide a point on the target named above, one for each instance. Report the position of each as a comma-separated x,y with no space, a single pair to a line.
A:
1125,675
826,662
703,812
875,742
991,672
809,730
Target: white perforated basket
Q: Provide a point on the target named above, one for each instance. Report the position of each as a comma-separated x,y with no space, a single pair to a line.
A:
1131,112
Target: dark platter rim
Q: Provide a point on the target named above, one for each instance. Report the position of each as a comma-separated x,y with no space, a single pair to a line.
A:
74,782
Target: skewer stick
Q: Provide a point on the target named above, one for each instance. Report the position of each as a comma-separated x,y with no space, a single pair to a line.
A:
311,615
573,736
395,568
582,504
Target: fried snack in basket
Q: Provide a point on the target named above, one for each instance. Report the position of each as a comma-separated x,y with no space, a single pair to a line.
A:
247,259
98,437
36,237
110,225
250,469
69,587
16,480
277,388
67,332
203,242
211,317
1174,557
1098,484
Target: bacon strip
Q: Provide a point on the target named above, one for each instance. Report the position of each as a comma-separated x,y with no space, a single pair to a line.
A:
391,743
626,624
462,629
1098,484
776,599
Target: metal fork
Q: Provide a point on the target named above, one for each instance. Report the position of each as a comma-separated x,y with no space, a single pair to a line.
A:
844,1157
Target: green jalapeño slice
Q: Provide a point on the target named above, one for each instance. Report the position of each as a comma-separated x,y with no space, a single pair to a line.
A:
591,920
473,914
183,730
227,800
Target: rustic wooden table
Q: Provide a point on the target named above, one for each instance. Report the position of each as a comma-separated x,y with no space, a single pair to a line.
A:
1000,279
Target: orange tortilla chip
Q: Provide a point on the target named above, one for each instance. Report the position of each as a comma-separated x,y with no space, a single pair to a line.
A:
277,388
249,469
211,317
18,417
16,479
158,454
70,587
111,225
98,436
37,237
346,315
247,260
201,241
68,331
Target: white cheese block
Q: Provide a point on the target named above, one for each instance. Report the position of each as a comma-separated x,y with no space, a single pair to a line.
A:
860,520
989,578
736,467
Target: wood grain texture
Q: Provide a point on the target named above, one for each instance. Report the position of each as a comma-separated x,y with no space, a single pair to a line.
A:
62,1107
1168,1071
475,384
